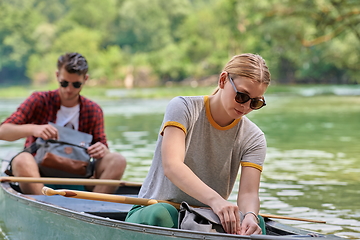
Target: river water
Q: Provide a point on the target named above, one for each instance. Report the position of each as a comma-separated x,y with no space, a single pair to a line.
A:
312,165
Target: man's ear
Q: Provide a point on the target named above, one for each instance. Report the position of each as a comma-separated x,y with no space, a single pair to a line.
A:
222,79
86,77
57,73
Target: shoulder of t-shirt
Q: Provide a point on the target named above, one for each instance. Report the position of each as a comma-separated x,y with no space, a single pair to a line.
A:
188,99
250,124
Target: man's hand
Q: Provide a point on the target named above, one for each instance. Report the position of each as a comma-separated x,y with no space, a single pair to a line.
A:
45,132
98,150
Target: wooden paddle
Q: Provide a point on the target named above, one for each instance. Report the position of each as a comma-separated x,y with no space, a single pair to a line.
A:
71,181
137,201
104,197
290,218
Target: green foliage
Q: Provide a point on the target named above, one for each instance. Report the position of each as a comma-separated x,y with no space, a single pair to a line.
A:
17,25
92,14
109,64
150,25
41,69
169,40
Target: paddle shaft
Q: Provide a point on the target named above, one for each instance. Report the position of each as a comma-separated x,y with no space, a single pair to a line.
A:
104,197
70,181
289,218
138,201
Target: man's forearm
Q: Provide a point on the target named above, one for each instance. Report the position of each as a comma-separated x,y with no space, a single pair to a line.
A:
13,132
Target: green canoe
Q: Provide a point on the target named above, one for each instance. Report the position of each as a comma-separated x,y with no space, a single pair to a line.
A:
34,217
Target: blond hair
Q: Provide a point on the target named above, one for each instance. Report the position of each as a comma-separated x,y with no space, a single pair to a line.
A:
248,65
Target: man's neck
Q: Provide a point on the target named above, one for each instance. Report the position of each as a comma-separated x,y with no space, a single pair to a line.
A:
70,103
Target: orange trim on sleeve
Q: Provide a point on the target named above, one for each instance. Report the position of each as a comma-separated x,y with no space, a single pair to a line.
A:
173,124
249,164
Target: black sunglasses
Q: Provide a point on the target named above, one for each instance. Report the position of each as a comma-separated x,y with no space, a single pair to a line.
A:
255,104
65,83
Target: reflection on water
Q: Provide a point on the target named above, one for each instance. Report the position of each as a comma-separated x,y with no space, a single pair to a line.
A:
321,90
311,170
296,183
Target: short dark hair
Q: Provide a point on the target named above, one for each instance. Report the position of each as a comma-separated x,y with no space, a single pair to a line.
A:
73,63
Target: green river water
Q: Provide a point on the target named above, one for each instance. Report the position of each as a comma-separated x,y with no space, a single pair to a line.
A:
312,168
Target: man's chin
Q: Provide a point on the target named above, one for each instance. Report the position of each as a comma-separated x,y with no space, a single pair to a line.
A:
69,97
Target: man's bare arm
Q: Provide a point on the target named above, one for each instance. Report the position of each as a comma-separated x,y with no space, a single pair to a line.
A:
13,132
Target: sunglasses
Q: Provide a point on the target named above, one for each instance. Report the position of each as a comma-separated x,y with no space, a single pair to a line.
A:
255,104
65,84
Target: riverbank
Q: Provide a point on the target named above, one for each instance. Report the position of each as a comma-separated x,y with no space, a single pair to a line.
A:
171,91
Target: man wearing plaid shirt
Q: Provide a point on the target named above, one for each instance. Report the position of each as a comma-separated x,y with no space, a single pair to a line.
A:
65,107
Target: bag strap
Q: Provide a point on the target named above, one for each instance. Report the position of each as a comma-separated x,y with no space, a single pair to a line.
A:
62,142
35,145
32,148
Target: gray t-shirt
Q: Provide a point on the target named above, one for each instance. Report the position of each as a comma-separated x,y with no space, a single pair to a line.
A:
213,153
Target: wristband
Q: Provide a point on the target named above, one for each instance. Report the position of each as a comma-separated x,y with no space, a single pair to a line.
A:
256,216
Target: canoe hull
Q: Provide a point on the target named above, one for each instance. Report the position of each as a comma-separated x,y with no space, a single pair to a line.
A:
29,219
40,217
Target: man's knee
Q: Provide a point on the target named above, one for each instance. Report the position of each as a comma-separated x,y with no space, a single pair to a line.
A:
23,160
25,165
116,160
111,166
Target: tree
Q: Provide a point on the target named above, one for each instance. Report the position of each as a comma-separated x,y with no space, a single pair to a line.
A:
149,25
301,37
18,21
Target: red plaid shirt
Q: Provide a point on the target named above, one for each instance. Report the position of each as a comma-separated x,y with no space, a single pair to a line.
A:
42,107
